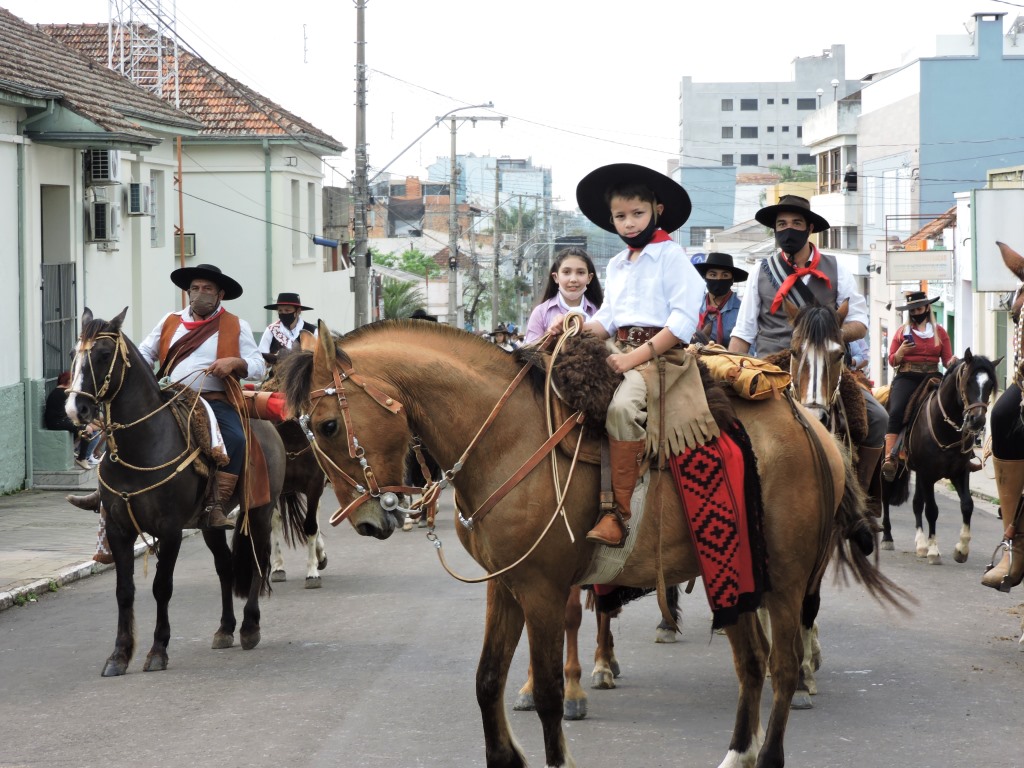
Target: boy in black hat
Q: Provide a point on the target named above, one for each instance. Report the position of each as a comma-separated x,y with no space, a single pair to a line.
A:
650,301
720,305
801,274
284,332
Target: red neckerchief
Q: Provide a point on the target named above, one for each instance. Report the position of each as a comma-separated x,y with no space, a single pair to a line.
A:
799,272
660,236
711,309
193,324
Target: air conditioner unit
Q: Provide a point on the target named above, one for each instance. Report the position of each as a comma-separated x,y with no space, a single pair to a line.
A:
190,245
139,199
102,166
104,221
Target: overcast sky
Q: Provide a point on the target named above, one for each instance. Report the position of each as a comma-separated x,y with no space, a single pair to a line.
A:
583,82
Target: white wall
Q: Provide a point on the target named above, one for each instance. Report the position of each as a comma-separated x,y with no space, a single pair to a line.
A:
10,360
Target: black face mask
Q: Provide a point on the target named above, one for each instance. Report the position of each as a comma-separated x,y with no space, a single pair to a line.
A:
718,288
918,319
287,320
636,242
792,241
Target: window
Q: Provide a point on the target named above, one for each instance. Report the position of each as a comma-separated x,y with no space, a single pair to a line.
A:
807,103
748,105
748,132
398,190
699,235
785,129
748,159
727,160
804,159
785,101
785,156
156,209
799,131
294,220
310,219
771,157
727,105
770,101
726,132
829,172
771,129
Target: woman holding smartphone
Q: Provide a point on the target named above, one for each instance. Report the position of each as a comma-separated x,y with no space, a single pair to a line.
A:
915,353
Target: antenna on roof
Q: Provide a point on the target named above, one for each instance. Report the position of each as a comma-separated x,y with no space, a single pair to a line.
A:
138,48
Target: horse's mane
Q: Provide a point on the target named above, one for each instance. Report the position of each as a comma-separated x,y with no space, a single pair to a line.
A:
818,323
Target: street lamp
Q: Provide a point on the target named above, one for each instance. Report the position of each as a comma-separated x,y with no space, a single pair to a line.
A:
819,92
835,88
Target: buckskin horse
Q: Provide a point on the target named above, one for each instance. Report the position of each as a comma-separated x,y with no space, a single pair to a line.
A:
939,444
363,394
150,486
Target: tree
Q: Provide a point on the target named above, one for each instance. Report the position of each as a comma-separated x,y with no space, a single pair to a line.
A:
401,299
413,261
789,173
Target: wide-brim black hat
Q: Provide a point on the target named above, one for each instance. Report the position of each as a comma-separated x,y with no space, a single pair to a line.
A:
183,279
421,314
721,261
287,300
916,299
791,204
592,189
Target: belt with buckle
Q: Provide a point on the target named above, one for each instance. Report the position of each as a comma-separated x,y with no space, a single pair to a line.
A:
919,368
636,335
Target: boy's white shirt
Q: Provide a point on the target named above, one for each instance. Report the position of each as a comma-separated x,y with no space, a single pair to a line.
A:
661,289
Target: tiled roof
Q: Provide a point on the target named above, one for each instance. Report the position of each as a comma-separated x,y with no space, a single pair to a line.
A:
933,228
223,105
758,178
34,64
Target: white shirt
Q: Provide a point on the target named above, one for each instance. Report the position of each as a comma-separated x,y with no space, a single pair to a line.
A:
189,369
661,289
292,334
846,288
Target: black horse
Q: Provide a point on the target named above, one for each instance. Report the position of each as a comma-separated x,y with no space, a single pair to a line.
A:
150,485
940,444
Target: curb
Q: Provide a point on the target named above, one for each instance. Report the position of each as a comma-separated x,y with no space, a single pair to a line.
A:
67,575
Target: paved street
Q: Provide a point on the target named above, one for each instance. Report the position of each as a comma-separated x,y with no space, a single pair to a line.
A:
376,669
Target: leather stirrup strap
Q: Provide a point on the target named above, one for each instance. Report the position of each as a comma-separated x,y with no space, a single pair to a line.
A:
607,498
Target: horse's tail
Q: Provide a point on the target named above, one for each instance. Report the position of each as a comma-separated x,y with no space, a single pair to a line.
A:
898,491
293,517
853,523
250,555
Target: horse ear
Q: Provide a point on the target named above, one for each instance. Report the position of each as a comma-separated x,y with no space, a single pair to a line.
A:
1013,260
844,308
791,310
86,317
997,361
115,324
307,341
326,343
967,355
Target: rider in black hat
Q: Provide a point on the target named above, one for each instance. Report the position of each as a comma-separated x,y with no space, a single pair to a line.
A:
720,304
284,332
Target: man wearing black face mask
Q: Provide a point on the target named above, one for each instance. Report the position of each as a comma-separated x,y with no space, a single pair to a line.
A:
284,332
801,274
720,304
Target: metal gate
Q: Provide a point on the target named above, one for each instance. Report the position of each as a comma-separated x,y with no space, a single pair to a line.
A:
60,315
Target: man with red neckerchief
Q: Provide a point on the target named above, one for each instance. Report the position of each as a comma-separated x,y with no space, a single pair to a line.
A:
802,274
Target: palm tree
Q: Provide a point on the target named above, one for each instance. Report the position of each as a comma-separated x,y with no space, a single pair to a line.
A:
401,299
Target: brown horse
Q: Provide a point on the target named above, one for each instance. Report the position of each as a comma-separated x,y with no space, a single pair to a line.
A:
365,393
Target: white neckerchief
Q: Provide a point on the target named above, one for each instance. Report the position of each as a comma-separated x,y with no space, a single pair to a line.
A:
578,309
925,333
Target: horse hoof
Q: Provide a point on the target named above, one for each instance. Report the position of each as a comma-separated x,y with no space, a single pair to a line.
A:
249,640
278,575
222,640
407,525
665,636
935,559
155,662
575,710
960,557
812,687
524,703
801,700
114,668
312,582
921,553
616,671
321,563
602,681
888,546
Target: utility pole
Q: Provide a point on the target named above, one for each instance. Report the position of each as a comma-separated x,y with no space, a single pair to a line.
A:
453,217
360,187
497,244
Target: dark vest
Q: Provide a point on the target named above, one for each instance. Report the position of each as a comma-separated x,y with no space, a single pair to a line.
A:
774,331
276,345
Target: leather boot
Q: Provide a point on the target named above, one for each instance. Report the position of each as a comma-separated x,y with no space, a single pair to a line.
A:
214,515
91,501
1010,570
625,457
103,554
889,461
867,469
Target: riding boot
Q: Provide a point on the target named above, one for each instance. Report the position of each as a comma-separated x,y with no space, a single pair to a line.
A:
214,517
625,457
1009,571
91,501
889,463
103,554
867,467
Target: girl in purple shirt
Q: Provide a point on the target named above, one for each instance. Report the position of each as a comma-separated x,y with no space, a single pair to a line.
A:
574,287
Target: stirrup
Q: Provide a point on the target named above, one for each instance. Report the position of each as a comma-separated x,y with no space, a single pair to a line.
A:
1003,547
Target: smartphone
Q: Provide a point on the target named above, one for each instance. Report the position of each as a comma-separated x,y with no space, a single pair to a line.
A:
909,339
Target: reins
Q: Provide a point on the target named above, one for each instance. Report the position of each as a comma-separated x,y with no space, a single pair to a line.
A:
966,439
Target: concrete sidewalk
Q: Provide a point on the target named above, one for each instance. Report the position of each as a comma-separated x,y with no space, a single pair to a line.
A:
46,543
